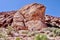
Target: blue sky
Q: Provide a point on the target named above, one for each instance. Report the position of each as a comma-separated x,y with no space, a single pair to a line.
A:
52,6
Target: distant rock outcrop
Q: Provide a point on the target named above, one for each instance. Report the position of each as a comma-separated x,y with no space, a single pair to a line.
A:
6,18
52,21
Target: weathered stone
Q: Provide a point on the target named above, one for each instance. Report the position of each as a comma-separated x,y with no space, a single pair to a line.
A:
52,21
30,15
35,25
6,18
33,12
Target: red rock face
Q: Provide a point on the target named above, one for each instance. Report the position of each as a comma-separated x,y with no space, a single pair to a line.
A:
52,21
28,17
33,12
6,18
31,16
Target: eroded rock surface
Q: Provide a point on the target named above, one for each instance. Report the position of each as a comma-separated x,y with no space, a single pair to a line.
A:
31,16
6,18
52,21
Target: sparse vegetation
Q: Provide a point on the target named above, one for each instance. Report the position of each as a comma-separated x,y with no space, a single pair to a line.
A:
37,34
17,38
41,37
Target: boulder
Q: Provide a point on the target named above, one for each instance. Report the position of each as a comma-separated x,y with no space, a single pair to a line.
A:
31,15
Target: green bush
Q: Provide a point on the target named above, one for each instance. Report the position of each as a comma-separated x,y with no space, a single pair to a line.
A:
57,32
17,38
41,37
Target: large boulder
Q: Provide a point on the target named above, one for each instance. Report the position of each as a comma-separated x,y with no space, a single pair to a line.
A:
30,16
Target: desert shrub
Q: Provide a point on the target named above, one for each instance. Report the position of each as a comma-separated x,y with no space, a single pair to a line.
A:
10,28
57,32
41,37
17,38
3,32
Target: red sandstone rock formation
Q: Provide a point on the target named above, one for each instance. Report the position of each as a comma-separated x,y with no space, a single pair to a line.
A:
52,21
6,18
48,19
30,17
